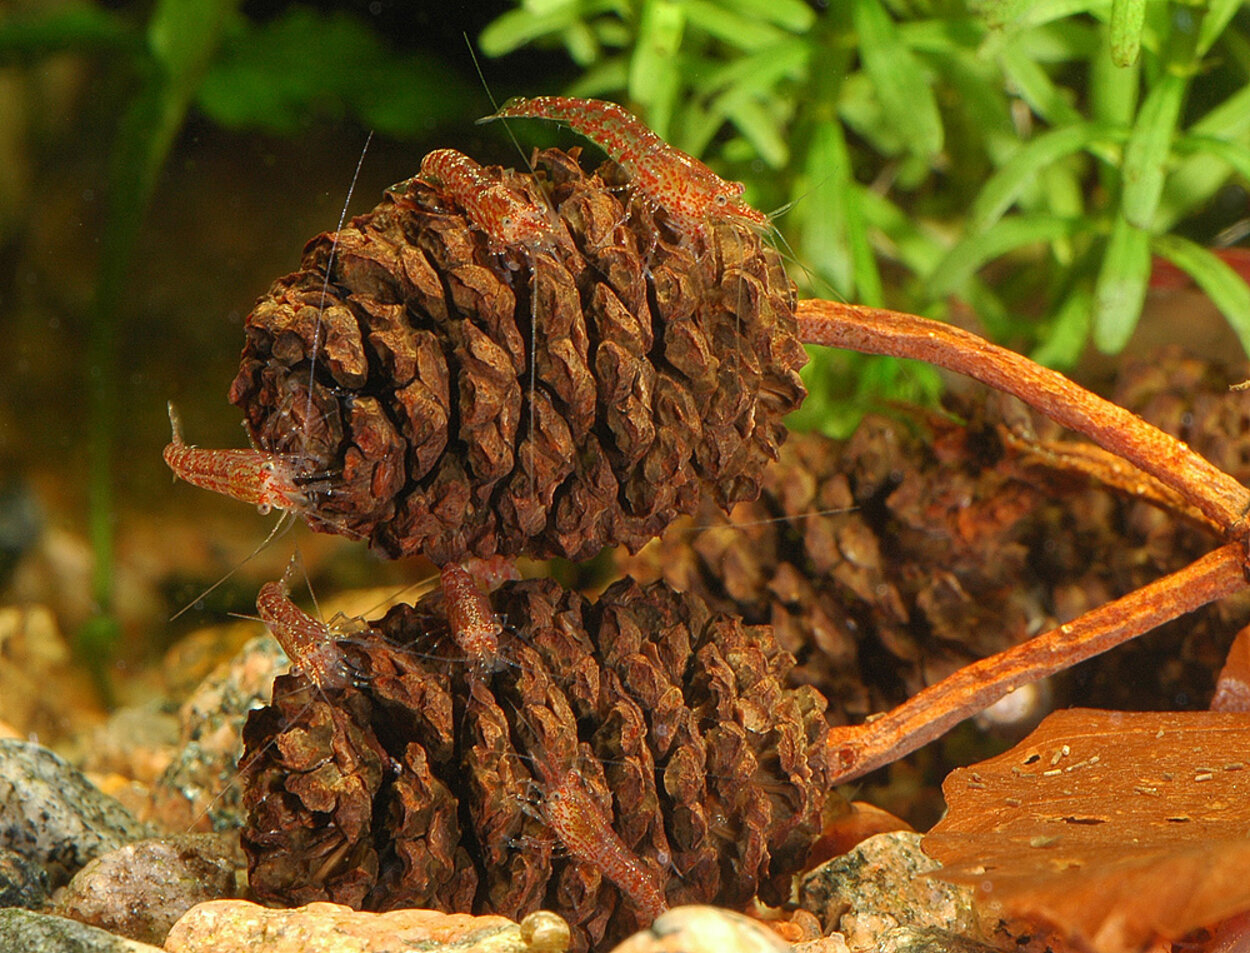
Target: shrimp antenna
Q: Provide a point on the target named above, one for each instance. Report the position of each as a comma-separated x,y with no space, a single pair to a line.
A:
552,215
494,104
480,75
284,524
818,280
325,288
770,520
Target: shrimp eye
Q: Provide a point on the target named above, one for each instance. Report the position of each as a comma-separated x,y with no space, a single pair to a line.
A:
722,199
507,221
267,466
263,508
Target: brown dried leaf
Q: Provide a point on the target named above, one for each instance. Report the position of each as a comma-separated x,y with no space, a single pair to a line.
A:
1116,827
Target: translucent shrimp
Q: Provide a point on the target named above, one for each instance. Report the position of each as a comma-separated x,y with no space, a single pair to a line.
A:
474,626
311,645
576,815
585,830
266,480
507,217
689,192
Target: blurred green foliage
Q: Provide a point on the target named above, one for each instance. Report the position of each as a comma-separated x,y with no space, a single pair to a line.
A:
274,77
1025,158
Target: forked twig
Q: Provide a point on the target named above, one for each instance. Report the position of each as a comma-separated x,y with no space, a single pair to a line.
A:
858,749
878,331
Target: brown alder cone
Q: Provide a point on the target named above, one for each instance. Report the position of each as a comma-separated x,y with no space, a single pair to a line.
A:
959,541
420,785
663,371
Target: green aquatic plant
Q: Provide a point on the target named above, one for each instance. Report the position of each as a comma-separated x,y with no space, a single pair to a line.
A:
205,55
1028,159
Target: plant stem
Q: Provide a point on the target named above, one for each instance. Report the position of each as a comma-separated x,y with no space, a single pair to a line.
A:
858,749
877,331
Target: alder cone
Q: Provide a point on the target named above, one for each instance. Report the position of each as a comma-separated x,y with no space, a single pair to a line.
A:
956,540
421,785
663,369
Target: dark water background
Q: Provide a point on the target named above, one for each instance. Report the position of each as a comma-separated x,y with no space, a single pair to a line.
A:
231,213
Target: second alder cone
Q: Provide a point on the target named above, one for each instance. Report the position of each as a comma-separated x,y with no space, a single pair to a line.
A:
661,369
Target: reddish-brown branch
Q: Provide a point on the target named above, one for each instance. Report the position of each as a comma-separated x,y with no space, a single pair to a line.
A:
1107,469
858,749
877,331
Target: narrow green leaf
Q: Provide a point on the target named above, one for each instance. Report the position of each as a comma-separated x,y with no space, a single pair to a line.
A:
906,95
915,246
758,72
1121,286
1237,156
1146,155
992,315
1007,234
1216,18
869,288
1224,286
651,66
514,29
942,35
1047,11
1035,87
1060,42
1230,119
822,207
729,27
1127,18
761,129
1069,330
1022,169
998,14
1198,177
606,77
861,110
1061,191
695,127
582,44
792,15
1113,90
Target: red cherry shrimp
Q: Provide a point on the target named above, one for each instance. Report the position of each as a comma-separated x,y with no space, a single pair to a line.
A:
584,828
474,626
310,644
282,481
266,480
689,192
506,216
581,820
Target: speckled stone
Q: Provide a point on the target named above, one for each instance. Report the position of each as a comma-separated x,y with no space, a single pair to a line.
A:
881,886
228,926
53,816
833,943
32,932
23,883
703,929
200,790
928,940
140,890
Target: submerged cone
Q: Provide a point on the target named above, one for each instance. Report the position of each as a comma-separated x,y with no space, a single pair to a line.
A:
887,561
425,782
664,365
